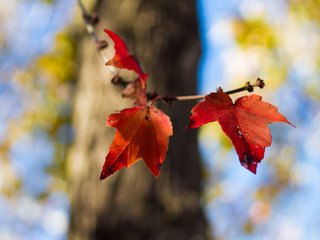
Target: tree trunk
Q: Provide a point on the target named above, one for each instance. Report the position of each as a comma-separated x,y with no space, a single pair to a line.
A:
131,204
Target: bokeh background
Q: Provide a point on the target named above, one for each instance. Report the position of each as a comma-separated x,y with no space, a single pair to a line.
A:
276,40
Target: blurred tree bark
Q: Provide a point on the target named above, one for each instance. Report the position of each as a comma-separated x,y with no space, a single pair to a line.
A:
131,204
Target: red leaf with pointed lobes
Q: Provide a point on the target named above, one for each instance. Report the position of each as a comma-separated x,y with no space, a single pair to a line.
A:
244,122
122,57
142,132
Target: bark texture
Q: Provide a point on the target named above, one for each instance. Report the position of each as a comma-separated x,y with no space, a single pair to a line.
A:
131,204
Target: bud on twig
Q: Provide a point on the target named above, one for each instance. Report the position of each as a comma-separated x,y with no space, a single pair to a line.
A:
102,44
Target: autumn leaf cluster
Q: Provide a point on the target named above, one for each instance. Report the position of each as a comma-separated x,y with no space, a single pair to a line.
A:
143,131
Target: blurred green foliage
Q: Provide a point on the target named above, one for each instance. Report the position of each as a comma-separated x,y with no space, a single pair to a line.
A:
255,32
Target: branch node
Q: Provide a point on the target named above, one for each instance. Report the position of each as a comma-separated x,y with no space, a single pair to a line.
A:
169,98
94,19
152,96
219,89
86,17
260,83
102,44
119,81
249,87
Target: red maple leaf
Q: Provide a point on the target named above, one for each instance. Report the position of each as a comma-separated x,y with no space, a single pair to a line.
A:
142,132
244,122
122,57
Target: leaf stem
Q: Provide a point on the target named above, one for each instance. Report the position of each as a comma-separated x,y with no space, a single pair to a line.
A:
248,87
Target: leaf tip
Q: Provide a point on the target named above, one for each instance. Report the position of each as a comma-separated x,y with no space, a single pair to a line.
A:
249,164
156,176
107,31
191,123
291,124
155,170
103,175
252,167
107,171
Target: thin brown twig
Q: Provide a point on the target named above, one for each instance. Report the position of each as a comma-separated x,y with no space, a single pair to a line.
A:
191,97
89,26
248,87
89,21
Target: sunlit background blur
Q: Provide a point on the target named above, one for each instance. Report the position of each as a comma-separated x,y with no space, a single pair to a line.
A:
276,40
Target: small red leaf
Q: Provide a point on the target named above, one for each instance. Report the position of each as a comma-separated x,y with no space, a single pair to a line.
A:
123,58
244,122
142,132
